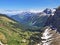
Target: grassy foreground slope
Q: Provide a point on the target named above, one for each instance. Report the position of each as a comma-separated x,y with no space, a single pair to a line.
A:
11,32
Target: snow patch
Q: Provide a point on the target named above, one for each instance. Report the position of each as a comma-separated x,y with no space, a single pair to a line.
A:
46,36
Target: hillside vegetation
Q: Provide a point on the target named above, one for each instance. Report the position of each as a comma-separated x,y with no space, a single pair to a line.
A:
11,32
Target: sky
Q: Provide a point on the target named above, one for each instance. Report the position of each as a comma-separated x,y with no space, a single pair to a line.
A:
28,4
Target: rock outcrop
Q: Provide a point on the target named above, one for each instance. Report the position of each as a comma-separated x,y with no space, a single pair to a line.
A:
54,21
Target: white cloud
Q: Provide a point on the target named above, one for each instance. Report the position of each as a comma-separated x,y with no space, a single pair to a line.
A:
18,11
35,11
10,11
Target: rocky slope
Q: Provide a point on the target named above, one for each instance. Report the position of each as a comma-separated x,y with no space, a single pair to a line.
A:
47,37
54,21
50,37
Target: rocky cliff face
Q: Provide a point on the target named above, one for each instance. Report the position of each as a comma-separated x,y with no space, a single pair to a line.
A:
54,21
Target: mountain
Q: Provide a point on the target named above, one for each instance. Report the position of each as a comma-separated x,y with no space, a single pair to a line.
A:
50,34
54,21
30,28
47,11
11,32
31,19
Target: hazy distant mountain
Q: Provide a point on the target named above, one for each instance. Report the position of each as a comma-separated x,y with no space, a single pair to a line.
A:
31,19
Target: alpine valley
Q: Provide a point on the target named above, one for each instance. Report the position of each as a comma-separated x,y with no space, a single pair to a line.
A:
30,28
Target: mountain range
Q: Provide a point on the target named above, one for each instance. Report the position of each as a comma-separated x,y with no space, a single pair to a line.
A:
28,28
36,20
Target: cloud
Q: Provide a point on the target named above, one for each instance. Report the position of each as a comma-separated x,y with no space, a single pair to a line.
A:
12,12
35,11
